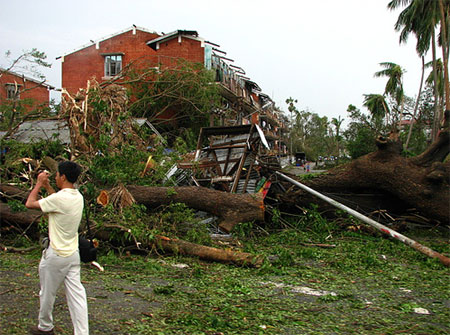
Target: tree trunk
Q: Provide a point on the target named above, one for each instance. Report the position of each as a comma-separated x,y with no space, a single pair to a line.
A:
444,43
230,208
413,119
21,219
437,108
208,253
12,192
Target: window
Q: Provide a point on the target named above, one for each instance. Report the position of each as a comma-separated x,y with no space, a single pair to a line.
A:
113,65
12,91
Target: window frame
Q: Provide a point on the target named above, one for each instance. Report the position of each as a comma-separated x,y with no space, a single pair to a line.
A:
11,91
113,64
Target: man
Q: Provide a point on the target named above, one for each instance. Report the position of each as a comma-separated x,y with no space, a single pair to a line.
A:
60,261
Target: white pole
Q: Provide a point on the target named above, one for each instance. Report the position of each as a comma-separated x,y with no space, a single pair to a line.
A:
416,245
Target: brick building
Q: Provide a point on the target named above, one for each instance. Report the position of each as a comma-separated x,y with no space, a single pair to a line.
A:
14,86
107,57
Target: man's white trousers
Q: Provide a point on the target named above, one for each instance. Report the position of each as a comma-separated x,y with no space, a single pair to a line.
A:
53,271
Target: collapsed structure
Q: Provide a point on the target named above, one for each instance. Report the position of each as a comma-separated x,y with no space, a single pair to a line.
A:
230,161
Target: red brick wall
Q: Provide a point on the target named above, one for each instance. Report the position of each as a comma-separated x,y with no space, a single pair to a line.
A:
39,94
188,49
84,64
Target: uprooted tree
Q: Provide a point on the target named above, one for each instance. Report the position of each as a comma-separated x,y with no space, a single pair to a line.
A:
400,183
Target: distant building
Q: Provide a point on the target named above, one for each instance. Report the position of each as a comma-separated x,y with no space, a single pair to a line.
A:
15,86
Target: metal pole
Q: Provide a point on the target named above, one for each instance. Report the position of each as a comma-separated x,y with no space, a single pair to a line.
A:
415,245
290,137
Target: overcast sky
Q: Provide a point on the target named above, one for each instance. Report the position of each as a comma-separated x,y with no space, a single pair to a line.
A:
321,52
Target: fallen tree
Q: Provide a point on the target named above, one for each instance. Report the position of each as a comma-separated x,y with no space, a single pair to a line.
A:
230,208
208,253
24,220
20,219
400,183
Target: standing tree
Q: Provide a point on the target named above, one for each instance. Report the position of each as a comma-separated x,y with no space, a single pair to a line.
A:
337,123
29,62
310,134
292,109
435,80
444,11
421,17
413,118
414,20
361,131
394,85
377,106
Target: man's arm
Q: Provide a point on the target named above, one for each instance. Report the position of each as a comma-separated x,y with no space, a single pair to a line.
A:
42,181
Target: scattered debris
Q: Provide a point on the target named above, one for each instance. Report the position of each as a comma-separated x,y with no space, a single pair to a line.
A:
180,266
98,266
421,311
300,289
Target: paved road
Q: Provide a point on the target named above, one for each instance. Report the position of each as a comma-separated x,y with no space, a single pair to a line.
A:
298,170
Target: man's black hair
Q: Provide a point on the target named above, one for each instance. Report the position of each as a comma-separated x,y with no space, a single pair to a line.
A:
70,169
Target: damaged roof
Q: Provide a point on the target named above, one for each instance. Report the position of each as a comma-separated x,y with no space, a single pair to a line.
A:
154,44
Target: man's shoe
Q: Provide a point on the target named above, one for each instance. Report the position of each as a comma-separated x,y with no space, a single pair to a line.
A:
36,331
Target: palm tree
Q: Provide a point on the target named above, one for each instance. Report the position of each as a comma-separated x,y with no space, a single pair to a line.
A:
444,11
337,123
440,78
394,85
414,20
421,17
376,104
408,138
292,109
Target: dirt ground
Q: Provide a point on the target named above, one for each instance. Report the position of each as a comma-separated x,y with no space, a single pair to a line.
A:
19,298
117,301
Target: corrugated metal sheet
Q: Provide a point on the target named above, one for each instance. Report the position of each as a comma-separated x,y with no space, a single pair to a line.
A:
37,130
